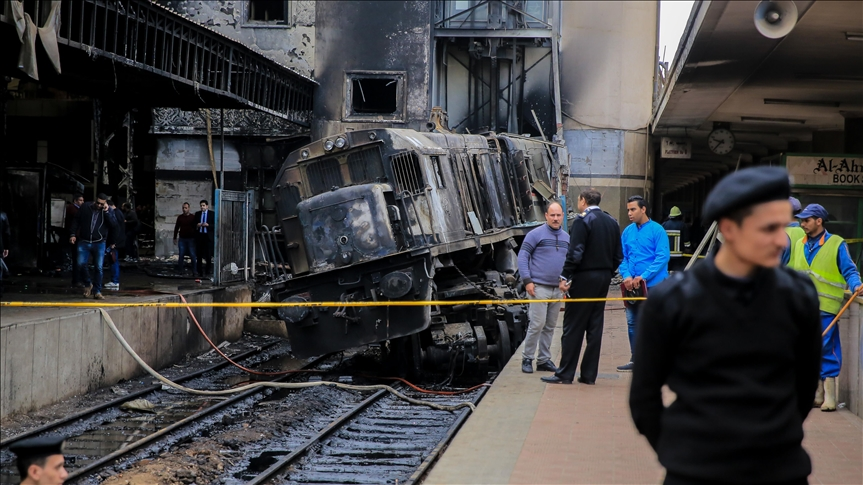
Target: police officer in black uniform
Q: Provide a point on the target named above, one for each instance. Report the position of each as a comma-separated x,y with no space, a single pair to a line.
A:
594,254
40,460
738,340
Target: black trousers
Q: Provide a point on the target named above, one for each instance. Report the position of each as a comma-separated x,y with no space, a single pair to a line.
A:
580,319
675,479
204,248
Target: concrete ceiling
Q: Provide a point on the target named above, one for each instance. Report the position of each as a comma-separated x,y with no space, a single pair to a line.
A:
812,78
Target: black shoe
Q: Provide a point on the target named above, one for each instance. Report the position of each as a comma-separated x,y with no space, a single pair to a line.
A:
527,366
546,366
553,379
585,381
625,367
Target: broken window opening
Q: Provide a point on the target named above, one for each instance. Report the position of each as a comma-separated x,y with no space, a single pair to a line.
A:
366,166
271,11
408,173
437,172
374,96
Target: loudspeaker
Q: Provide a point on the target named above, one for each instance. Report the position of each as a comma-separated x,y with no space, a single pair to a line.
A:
775,20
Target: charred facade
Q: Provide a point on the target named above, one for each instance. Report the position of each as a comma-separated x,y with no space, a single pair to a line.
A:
400,215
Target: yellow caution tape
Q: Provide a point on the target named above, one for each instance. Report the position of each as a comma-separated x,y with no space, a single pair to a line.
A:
852,241
690,255
316,304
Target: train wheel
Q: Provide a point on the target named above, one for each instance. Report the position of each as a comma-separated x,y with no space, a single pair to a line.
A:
504,345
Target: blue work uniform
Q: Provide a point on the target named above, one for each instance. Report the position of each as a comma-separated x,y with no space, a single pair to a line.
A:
831,357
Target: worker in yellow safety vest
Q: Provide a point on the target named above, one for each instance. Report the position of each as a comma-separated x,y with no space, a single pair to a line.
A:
825,258
794,231
678,239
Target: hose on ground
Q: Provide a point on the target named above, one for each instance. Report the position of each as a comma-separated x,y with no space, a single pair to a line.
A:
280,373
281,385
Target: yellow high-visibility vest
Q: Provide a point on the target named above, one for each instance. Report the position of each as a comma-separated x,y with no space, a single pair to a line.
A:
795,233
824,272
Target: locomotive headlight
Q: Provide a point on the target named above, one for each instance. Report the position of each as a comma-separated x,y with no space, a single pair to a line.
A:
341,142
328,145
372,136
304,154
396,284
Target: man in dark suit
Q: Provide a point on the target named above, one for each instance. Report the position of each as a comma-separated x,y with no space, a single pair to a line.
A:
594,254
205,226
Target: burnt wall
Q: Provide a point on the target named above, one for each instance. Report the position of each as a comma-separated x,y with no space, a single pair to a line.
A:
371,36
289,42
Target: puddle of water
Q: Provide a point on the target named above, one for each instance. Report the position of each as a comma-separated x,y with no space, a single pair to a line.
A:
285,362
243,379
259,464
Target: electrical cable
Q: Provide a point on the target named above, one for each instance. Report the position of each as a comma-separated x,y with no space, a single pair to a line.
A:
281,373
281,385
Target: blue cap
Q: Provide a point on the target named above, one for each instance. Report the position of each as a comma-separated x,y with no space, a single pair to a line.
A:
814,210
795,204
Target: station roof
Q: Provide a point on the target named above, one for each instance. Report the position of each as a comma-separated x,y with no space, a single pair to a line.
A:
144,54
771,92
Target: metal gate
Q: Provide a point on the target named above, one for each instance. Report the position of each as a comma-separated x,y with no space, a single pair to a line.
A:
233,255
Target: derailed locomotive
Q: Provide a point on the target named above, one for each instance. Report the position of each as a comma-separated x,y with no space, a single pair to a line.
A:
394,214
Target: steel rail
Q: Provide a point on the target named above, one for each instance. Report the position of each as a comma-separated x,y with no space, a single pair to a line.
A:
120,400
335,425
111,457
425,466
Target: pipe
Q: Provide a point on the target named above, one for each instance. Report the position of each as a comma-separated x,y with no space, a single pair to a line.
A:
281,385
836,318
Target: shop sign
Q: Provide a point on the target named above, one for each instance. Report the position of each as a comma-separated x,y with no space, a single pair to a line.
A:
841,171
676,148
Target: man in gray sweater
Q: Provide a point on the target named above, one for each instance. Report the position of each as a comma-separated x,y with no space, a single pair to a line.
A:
540,261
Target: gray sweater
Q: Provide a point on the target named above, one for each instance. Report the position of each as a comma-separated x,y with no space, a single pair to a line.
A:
542,255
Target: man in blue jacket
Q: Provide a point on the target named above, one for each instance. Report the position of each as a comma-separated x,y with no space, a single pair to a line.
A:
645,260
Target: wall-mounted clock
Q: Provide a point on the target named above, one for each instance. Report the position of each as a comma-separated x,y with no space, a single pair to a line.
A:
720,141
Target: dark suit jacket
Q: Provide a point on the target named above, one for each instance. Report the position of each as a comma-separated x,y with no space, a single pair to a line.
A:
211,220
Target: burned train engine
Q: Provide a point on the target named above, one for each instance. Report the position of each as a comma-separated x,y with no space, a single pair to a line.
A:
399,215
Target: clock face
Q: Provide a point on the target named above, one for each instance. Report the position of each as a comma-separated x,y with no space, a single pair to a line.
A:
720,141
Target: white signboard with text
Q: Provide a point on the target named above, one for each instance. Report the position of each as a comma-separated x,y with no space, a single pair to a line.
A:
676,148
839,171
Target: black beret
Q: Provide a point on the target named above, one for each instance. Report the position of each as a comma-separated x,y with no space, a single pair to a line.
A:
746,188
38,447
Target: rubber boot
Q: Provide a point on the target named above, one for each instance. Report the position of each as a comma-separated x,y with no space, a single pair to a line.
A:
829,395
819,395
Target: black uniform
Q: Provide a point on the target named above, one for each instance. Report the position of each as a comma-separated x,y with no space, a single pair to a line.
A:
594,254
741,354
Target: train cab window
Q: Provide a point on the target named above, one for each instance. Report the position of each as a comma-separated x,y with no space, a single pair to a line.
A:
324,175
366,166
408,173
375,96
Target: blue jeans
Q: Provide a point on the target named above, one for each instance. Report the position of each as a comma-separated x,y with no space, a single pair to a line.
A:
97,251
631,318
115,267
187,248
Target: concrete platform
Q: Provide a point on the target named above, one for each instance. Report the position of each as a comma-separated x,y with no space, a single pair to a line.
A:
49,354
525,431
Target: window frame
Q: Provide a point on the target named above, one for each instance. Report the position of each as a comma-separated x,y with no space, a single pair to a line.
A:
398,116
268,24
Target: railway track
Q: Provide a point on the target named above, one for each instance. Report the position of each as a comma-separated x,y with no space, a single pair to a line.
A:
310,435
380,440
103,434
